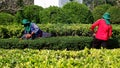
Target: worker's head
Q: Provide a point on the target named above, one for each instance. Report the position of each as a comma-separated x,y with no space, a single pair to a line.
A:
106,15
25,22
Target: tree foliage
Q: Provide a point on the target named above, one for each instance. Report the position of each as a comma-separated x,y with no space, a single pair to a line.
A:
100,10
30,12
77,13
6,18
51,14
93,3
115,14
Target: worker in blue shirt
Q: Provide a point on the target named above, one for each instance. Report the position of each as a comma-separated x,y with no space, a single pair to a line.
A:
31,30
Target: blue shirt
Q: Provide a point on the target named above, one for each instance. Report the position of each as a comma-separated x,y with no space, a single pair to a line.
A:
34,28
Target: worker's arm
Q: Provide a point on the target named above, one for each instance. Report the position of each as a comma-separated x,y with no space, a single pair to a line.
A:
94,25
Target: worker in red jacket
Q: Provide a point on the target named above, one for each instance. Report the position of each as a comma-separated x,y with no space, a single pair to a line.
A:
103,31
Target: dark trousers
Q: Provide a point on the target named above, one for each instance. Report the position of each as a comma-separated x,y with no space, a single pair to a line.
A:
96,43
37,35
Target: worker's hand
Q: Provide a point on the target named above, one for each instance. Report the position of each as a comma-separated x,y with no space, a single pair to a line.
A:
28,36
32,33
20,38
94,34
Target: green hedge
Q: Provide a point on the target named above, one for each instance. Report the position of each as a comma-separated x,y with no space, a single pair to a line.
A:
56,43
6,18
10,31
33,58
15,30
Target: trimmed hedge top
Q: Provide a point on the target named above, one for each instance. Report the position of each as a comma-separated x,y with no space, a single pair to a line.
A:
13,31
55,43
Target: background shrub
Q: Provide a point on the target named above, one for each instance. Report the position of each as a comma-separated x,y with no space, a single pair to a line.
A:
51,15
30,12
100,10
115,14
77,13
6,18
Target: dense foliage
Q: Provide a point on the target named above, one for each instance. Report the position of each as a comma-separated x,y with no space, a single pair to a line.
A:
72,12
6,18
70,36
55,43
77,13
113,10
10,31
115,14
100,10
52,14
87,58
15,30
93,3
30,12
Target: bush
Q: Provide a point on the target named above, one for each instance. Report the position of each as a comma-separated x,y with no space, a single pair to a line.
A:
34,58
77,13
61,30
69,43
55,43
51,15
6,18
19,16
13,31
30,12
100,10
115,14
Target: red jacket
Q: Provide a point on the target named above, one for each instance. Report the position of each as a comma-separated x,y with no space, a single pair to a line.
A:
104,31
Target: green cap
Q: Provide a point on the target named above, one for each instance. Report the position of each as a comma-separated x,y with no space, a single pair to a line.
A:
25,21
106,15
